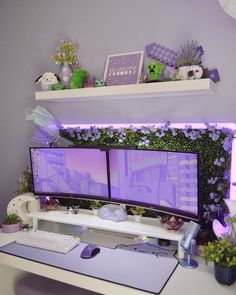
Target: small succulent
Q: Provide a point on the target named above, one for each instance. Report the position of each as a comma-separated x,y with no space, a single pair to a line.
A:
137,210
11,219
95,204
190,54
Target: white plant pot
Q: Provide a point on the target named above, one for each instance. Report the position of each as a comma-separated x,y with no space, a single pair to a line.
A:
10,228
138,218
95,211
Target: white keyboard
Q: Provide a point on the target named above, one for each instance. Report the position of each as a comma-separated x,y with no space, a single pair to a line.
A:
48,240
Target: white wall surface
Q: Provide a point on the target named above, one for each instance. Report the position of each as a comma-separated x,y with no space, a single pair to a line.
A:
30,29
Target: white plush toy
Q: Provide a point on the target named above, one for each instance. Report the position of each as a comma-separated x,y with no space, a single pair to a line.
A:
195,72
47,80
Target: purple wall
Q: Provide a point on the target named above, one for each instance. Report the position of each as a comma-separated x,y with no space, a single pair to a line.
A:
30,29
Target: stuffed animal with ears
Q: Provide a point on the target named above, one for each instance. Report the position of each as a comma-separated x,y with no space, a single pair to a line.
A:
47,80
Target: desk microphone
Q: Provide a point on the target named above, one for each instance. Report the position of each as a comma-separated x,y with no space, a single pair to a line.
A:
188,242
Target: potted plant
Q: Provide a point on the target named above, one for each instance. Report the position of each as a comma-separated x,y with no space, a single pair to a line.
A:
190,54
95,205
222,252
11,223
171,222
66,57
137,212
25,181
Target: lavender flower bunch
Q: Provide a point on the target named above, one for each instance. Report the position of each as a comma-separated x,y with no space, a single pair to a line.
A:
190,54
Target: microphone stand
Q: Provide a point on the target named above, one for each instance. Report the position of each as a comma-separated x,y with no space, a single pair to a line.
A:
188,262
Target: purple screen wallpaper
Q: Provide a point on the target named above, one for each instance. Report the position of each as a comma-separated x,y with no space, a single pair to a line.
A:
163,178
69,171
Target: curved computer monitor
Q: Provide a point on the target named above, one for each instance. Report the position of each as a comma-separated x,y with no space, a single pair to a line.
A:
166,181
70,172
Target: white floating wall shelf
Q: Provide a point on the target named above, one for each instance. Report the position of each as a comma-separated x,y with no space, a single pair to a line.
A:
144,90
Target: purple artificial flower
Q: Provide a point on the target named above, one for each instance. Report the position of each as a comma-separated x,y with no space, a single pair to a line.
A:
132,128
85,137
194,135
217,162
174,133
219,187
212,180
215,135
153,128
144,130
227,175
227,144
161,134
212,196
144,141
212,208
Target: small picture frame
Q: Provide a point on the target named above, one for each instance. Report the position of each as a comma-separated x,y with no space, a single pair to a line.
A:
123,68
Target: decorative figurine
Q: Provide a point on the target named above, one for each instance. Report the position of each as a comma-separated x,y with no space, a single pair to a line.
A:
58,86
155,69
169,73
78,79
100,83
163,54
47,80
90,81
195,72
142,78
214,75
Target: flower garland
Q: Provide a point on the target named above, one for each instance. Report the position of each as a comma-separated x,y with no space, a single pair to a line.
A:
213,145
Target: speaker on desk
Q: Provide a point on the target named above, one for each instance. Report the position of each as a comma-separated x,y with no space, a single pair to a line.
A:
188,243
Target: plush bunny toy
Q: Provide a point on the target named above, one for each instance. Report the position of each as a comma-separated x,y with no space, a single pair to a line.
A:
47,80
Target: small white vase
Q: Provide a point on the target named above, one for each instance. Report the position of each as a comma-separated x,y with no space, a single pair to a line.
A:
95,211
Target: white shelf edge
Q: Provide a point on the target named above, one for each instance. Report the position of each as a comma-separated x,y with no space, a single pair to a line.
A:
153,90
149,226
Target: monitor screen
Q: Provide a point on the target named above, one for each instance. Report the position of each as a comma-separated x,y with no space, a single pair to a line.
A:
70,172
162,180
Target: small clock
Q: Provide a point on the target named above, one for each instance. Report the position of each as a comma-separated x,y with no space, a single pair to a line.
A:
23,204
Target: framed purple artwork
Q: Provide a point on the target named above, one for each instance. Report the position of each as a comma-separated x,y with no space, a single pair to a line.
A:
123,68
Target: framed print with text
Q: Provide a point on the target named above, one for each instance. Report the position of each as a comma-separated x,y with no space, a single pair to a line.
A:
123,68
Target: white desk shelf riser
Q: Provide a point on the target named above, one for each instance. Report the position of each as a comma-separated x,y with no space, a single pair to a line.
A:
148,227
126,92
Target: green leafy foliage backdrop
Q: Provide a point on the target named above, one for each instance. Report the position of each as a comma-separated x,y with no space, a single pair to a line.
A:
213,145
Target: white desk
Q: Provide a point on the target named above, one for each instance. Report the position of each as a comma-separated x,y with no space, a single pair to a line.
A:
184,281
